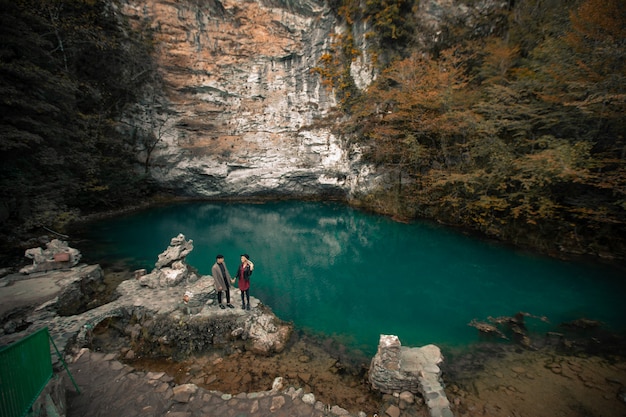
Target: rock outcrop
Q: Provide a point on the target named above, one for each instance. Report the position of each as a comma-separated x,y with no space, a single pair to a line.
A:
396,369
57,292
170,268
147,310
239,111
57,255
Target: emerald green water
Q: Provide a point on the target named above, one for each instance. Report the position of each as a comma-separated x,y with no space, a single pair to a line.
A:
339,272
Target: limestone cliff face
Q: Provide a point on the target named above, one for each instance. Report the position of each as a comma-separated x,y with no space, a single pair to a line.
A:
240,112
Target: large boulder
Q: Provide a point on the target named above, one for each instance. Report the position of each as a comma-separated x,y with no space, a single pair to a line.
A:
267,334
78,289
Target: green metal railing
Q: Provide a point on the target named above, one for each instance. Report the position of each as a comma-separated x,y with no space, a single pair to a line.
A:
25,369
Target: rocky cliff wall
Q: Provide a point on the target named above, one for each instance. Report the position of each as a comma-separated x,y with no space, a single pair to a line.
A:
239,111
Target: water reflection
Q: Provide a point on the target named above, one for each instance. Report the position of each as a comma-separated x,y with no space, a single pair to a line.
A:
338,271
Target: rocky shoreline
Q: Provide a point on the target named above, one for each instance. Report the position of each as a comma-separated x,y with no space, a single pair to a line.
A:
253,348
171,312
493,379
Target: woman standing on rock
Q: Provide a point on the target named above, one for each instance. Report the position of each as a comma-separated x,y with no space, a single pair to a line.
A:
243,273
221,278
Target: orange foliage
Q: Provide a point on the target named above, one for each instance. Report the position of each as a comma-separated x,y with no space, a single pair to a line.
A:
499,60
533,139
598,36
599,21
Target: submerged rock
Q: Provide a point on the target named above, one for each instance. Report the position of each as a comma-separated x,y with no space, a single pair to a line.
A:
515,326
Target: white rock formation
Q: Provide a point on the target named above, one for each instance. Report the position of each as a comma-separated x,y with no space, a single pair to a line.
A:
57,255
241,112
170,268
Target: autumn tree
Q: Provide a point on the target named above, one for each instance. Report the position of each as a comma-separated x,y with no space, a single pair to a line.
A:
597,80
413,121
518,134
391,19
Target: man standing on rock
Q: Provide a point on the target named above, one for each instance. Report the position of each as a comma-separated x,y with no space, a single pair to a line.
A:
243,273
221,277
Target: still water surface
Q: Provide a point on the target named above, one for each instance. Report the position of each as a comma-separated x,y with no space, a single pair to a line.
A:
336,271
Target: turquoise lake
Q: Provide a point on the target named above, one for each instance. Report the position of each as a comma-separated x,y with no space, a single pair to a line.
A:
343,273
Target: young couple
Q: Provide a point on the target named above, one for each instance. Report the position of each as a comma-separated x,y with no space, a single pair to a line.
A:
222,280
